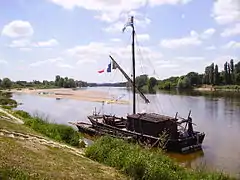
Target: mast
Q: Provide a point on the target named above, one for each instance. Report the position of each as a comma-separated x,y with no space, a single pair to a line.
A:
133,64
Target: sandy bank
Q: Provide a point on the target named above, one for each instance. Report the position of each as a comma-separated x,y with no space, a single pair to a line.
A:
82,95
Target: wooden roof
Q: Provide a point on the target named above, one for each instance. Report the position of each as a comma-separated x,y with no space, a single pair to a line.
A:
152,117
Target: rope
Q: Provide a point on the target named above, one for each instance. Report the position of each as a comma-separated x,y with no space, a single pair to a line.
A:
158,104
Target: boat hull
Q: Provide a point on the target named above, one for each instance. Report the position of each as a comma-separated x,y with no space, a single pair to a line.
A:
181,145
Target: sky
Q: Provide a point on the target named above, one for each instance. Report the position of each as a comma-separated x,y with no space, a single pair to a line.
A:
40,39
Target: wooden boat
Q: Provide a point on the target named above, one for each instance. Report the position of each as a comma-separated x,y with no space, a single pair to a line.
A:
146,128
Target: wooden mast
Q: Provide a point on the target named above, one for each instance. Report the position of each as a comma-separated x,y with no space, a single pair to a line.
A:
133,64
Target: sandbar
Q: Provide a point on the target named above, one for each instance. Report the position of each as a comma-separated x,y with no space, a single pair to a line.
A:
81,94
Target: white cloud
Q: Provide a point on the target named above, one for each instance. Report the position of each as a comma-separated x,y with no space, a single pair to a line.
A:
115,40
226,11
48,61
231,31
140,21
3,61
84,61
110,10
192,40
98,53
18,28
64,65
25,49
172,2
232,45
211,47
143,37
189,58
208,33
26,44
21,43
49,43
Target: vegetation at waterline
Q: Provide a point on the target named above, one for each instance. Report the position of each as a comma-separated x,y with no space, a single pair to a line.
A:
58,132
144,164
6,101
59,81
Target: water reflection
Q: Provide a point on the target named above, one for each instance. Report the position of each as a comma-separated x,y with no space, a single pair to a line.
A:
216,114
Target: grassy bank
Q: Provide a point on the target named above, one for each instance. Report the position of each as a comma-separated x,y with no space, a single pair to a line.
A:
144,164
58,132
24,159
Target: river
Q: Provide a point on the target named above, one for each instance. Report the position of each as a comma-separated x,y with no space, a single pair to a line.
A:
218,115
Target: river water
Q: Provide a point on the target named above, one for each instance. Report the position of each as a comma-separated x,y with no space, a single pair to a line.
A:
218,115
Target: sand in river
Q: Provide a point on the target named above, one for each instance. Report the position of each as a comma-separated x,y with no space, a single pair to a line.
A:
83,95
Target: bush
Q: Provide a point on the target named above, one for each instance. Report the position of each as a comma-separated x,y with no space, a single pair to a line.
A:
141,163
58,132
6,101
22,114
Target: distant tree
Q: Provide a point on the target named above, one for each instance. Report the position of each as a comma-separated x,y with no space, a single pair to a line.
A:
226,77
152,82
237,67
0,82
6,83
184,83
194,78
57,79
216,75
211,74
141,80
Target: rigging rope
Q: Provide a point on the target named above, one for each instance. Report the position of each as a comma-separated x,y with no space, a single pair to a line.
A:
157,103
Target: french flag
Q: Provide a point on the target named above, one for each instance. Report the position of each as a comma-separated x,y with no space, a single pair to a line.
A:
108,69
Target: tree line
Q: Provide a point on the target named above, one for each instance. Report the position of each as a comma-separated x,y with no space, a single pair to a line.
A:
7,83
230,75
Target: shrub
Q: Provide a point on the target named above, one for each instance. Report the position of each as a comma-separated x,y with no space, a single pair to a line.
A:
141,163
58,132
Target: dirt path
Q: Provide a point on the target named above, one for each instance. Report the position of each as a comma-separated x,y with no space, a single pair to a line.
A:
31,137
40,140
11,117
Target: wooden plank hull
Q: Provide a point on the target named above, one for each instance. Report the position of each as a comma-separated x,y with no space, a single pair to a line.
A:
181,144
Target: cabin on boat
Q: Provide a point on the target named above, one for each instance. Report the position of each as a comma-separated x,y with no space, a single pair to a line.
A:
152,124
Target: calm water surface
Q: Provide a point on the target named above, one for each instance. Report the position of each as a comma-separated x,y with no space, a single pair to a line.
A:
218,115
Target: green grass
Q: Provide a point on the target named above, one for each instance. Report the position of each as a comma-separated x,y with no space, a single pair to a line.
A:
58,132
7,173
23,160
145,164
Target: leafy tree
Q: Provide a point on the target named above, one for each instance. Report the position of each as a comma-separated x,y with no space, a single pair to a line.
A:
57,79
184,83
141,80
194,78
232,71
6,83
216,75
226,79
152,82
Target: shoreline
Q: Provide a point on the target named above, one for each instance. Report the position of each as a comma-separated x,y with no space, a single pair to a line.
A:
82,95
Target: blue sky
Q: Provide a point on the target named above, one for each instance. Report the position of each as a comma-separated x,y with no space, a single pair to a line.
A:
42,38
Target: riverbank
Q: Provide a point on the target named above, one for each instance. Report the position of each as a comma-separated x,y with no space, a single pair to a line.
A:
27,154
226,88
82,95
